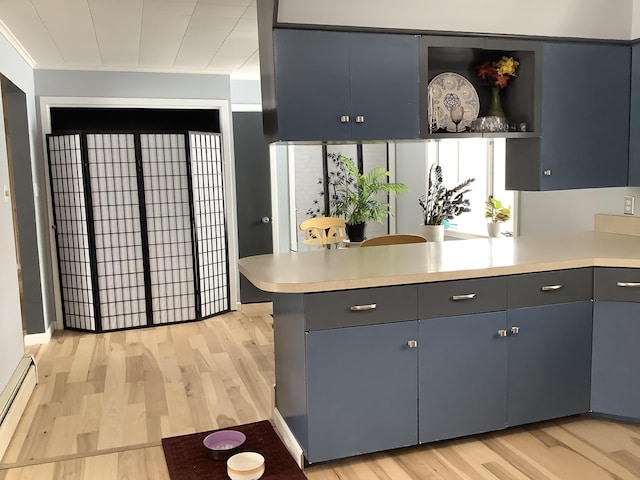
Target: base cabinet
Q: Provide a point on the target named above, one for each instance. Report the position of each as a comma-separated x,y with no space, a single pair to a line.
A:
615,377
549,362
462,376
362,391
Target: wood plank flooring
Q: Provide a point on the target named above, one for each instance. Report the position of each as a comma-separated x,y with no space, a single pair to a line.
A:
105,401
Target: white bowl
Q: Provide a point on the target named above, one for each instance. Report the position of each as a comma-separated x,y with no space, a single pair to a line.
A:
245,466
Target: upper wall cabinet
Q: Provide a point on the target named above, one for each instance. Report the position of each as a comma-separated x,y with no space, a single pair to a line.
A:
336,86
634,127
460,57
584,140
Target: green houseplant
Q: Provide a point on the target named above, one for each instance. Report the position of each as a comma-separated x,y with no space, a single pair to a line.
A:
354,196
496,212
441,204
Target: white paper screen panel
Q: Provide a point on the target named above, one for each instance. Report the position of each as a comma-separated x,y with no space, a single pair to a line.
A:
67,189
207,178
166,185
117,232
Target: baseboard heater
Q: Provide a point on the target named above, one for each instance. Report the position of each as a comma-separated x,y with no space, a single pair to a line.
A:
14,398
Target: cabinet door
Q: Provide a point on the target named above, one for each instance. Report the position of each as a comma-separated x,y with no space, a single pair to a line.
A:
615,380
462,375
312,84
361,390
549,361
384,86
634,126
585,117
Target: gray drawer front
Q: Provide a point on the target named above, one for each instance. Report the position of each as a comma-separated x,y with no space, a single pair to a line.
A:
548,288
608,284
445,299
326,310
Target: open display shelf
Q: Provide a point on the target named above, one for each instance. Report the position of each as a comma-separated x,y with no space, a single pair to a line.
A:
461,55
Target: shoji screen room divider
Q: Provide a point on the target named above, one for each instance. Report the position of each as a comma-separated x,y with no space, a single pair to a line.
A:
140,228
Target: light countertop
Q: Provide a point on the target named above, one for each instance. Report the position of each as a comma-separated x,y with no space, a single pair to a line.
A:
341,269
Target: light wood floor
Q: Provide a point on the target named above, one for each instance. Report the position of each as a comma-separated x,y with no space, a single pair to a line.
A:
104,402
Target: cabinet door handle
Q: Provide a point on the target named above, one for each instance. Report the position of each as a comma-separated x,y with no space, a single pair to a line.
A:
629,284
551,288
502,333
466,296
515,330
362,308
344,119
360,119
412,344
547,173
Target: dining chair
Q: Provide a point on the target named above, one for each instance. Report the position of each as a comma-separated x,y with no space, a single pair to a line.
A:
324,231
393,239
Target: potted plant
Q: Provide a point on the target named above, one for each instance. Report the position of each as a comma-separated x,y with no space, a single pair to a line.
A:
441,204
496,212
354,196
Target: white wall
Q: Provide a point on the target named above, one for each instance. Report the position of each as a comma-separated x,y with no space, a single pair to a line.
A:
635,20
11,340
562,18
411,169
570,210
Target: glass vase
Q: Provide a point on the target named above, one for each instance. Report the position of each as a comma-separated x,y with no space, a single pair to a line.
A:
495,107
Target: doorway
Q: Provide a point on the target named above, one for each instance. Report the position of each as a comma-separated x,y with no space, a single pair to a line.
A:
220,106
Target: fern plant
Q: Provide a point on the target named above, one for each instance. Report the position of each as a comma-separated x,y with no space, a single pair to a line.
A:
441,203
354,197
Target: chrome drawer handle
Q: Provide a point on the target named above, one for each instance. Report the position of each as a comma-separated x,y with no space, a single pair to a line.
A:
466,296
629,284
502,333
551,288
362,308
344,119
412,343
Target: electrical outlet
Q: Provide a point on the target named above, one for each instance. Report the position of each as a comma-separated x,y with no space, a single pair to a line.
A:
629,205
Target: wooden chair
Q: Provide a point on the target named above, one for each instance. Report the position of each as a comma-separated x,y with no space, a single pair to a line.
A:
393,239
324,230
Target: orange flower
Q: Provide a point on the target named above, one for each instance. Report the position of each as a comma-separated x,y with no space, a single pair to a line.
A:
497,74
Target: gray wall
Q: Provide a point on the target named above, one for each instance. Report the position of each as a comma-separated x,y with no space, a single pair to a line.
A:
19,72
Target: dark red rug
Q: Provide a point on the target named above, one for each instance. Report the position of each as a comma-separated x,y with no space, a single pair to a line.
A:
187,458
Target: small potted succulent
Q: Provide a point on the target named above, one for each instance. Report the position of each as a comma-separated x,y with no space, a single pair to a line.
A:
441,204
496,212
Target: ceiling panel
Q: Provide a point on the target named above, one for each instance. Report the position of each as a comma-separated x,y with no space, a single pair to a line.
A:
70,26
117,27
200,36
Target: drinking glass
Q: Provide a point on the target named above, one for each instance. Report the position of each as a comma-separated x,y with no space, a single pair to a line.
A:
456,114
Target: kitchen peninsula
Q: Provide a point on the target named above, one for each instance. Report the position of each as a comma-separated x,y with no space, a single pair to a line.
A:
394,346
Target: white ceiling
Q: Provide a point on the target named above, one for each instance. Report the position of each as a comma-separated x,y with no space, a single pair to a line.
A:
188,36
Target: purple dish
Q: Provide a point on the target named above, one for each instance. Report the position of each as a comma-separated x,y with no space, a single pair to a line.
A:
222,444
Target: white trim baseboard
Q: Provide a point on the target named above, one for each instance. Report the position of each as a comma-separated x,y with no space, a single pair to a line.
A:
40,338
289,440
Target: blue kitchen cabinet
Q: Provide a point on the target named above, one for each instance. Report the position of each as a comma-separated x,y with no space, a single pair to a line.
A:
549,361
362,390
343,86
615,379
616,359
462,375
584,140
634,119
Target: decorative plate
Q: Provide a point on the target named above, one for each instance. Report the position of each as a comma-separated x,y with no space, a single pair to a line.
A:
445,92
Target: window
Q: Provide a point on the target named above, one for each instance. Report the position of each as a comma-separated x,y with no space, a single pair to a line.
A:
484,160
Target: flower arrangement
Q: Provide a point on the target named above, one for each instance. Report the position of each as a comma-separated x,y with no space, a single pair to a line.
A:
441,203
497,74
